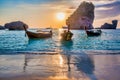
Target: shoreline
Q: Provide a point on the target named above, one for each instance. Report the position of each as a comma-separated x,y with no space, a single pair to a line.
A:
94,52
52,66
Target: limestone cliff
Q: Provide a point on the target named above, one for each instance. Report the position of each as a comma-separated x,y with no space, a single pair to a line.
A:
83,16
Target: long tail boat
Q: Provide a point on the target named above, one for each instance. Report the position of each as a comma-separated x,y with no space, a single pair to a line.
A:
93,32
67,34
38,34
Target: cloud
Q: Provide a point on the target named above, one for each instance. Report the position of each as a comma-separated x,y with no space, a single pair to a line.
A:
104,8
56,5
96,2
36,14
108,10
36,10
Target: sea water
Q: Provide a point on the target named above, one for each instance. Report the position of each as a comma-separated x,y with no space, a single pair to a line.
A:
17,41
82,58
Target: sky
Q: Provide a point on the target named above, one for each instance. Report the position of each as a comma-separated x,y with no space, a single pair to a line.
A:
42,13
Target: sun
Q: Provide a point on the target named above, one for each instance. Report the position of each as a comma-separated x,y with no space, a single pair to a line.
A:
60,16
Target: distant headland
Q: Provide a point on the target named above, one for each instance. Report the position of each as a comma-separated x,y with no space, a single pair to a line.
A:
110,26
16,25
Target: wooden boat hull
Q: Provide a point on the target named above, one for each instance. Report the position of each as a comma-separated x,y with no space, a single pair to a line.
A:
66,36
38,35
92,33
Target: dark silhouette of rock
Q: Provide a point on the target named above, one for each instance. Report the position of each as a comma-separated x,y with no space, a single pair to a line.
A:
110,26
83,16
2,27
17,25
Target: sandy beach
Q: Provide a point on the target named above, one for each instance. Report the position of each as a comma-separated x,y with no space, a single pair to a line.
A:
59,39
81,66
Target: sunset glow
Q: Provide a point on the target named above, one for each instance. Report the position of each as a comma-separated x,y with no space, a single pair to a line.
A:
59,39
60,16
40,13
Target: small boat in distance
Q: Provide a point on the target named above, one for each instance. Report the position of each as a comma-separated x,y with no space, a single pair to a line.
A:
93,32
64,27
31,34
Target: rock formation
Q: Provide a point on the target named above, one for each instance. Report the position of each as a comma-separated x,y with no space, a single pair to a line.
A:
2,27
17,25
83,16
110,26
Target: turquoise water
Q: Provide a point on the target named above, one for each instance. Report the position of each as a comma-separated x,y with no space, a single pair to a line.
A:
16,41
83,58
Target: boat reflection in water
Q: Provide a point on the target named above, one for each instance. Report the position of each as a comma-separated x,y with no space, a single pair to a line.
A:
53,66
80,65
60,66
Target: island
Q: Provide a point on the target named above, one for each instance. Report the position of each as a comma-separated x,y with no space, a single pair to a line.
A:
16,25
83,15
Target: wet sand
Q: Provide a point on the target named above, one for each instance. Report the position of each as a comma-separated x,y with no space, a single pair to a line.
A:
60,67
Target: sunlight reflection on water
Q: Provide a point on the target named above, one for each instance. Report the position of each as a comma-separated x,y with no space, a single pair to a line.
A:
82,58
58,66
